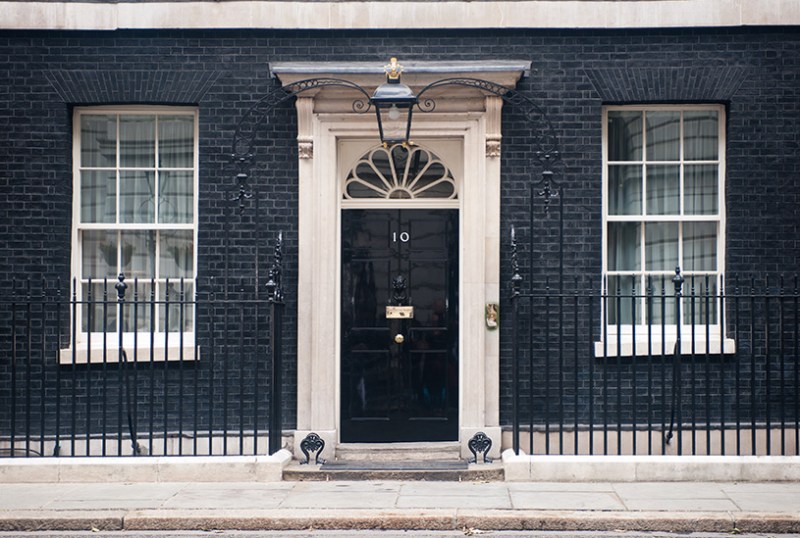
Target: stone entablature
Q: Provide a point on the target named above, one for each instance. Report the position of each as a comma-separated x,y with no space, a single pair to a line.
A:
388,14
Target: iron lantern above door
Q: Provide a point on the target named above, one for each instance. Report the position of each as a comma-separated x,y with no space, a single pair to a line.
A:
393,103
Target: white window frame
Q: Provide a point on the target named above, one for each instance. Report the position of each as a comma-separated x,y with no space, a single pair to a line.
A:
165,346
635,339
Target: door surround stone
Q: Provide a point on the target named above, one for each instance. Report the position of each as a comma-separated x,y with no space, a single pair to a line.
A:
325,119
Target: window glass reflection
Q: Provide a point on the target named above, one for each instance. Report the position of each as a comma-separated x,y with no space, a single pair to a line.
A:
137,141
624,136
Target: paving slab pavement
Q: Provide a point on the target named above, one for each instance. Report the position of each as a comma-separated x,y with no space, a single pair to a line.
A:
315,533
772,507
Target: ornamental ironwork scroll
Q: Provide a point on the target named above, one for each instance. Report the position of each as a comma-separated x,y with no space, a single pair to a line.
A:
545,143
480,442
273,285
247,129
312,443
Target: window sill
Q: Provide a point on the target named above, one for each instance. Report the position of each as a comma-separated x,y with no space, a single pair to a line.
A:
658,347
110,355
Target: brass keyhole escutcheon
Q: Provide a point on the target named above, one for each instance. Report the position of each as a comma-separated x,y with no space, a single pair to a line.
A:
399,338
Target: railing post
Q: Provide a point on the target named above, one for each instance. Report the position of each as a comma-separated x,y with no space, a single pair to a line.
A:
721,306
753,402
796,341
59,306
121,288
28,366
275,297
73,382
677,280
516,283
13,444
796,345
122,357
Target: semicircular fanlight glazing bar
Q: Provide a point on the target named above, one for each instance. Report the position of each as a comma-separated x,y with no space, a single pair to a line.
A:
400,172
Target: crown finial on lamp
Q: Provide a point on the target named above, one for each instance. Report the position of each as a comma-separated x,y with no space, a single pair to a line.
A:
393,70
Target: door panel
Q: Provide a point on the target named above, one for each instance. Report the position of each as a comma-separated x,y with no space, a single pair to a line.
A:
405,390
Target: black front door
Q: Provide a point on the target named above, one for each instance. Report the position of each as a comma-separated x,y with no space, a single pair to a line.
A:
399,364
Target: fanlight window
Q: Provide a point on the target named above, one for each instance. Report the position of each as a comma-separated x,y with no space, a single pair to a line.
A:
399,172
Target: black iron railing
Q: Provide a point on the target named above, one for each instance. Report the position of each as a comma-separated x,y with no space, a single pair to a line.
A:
122,372
610,371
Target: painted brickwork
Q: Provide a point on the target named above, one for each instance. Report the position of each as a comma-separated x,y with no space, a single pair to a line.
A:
755,72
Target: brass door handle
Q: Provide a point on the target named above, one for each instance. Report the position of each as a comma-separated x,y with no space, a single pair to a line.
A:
399,338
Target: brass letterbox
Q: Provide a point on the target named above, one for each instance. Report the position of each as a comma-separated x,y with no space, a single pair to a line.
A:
399,312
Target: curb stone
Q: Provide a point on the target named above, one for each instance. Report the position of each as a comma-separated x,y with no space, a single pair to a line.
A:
456,519
58,520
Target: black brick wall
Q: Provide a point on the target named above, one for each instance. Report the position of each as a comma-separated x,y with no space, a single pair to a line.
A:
754,72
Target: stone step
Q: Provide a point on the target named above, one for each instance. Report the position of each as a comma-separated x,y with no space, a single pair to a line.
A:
428,470
402,452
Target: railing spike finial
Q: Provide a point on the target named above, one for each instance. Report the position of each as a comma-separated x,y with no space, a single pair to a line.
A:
121,287
678,280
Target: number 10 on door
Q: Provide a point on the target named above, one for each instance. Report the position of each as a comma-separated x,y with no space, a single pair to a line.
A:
403,237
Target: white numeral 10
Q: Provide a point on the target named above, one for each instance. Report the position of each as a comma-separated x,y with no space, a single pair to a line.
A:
404,237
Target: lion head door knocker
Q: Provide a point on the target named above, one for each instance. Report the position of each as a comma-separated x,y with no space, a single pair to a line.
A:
398,307
399,291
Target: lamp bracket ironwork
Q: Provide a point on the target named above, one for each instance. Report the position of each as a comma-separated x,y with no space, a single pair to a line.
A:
544,140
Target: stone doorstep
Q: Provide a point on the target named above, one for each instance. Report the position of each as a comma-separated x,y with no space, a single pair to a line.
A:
395,461
524,468
426,470
379,452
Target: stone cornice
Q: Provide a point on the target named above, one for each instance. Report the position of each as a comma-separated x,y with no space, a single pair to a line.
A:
416,74
392,14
